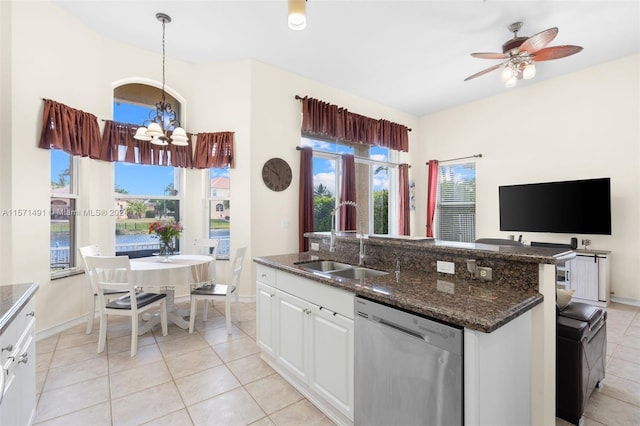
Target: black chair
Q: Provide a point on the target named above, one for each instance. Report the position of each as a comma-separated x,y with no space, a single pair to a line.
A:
581,348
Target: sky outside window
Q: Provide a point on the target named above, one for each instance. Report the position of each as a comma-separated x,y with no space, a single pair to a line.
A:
139,179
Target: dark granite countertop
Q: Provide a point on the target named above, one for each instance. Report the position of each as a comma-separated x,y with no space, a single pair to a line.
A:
532,254
12,299
472,304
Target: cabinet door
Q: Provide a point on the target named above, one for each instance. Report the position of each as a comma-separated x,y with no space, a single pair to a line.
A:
265,318
19,371
584,277
331,358
292,333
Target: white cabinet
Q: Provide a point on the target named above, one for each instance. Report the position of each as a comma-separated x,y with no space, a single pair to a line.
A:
17,357
292,334
306,334
331,342
588,274
265,317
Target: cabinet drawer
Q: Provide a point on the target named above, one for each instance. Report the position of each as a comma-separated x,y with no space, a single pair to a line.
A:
9,340
332,298
266,275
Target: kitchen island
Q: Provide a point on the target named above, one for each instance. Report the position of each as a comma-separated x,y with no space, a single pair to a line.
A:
509,353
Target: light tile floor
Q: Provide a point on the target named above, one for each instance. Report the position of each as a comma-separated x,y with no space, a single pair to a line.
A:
211,378
204,378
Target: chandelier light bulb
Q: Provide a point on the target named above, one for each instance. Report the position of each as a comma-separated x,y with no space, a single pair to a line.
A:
141,134
154,130
297,14
529,72
179,137
159,140
511,82
507,72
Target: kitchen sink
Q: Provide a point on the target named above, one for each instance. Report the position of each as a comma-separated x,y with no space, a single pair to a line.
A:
341,270
324,265
356,273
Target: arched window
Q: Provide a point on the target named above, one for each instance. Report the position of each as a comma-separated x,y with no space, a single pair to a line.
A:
143,193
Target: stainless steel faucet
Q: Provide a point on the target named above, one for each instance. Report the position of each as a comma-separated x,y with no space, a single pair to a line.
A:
359,232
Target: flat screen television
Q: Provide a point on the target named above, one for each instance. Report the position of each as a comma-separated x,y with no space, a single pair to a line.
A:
571,207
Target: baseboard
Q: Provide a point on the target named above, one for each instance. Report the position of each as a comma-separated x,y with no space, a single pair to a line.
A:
52,331
625,301
333,414
59,328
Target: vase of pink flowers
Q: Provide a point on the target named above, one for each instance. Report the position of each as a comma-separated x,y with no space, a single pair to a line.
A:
167,232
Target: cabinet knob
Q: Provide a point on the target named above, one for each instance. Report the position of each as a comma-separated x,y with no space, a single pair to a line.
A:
24,358
8,348
264,275
31,314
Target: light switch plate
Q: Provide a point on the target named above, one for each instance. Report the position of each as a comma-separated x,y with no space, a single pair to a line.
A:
315,246
446,267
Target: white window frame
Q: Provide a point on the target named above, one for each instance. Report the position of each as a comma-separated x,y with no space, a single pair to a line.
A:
73,195
439,224
393,198
209,200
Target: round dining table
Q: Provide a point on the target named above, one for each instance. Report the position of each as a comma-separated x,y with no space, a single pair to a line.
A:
167,273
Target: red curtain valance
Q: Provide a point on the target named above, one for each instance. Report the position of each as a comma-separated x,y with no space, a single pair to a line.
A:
327,120
118,137
71,130
77,133
214,150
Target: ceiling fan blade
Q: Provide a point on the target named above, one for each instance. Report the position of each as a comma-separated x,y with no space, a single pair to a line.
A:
490,55
483,72
539,41
555,52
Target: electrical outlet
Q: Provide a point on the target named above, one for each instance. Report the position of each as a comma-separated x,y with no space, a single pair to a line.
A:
315,246
445,286
485,273
446,267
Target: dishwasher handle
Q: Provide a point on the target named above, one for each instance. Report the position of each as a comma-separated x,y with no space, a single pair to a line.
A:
402,329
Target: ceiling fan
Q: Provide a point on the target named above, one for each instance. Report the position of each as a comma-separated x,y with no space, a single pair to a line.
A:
521,53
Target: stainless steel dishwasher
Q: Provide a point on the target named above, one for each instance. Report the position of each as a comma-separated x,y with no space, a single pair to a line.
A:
408,368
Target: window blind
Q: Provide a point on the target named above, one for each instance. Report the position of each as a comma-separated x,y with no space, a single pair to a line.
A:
456,208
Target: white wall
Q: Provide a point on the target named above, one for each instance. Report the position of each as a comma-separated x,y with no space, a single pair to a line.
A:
54,56
577,126
583,125
275,120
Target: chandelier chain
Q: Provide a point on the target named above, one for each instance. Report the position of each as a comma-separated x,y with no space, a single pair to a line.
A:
163,60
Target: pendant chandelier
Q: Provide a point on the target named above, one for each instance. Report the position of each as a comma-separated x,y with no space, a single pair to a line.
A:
164,117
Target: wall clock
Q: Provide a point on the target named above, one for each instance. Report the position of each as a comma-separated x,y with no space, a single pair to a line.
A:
276,174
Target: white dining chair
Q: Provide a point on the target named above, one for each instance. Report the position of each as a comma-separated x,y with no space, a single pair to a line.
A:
114,273
219,291
208,247
94,250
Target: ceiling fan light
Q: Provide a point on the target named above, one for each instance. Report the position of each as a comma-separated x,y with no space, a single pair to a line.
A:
297,14
507,73
511,82
141,134
529,71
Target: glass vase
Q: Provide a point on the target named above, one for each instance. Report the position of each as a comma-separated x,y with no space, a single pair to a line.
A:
166,250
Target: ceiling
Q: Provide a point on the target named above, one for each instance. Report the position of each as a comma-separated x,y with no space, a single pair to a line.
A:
409,55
